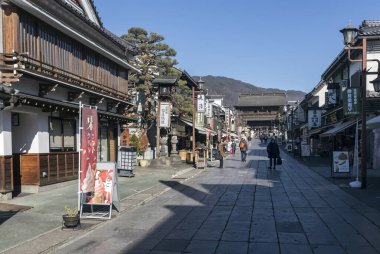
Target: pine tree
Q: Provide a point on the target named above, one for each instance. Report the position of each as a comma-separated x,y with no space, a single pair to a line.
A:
155,58
152,56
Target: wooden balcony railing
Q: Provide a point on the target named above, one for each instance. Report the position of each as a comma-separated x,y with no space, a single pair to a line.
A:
37,66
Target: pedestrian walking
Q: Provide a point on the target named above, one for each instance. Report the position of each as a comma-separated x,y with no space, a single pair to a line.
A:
221,154
273,153
243,145
233,145
229,147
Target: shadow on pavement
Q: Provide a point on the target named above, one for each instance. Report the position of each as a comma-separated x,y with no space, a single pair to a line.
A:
9,210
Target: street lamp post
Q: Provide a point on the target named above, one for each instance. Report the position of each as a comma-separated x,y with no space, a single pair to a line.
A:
349,33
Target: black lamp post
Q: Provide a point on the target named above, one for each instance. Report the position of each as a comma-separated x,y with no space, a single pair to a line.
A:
349,34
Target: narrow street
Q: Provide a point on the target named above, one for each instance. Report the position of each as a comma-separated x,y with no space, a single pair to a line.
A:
243,208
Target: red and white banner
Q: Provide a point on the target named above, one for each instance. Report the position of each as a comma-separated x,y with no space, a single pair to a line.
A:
89,149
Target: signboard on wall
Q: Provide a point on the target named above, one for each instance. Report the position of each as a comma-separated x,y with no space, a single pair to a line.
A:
351,101
89,149
208,109
165,112
314,118
201,103
200,119
331,97
227,117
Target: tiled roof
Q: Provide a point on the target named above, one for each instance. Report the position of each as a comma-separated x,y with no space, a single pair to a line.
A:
253,100
370,23
100,28
370,28
163,80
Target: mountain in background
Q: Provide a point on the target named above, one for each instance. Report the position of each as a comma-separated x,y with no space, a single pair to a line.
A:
231,88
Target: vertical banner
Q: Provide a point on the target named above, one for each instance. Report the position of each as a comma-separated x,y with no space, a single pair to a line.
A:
89,149
208,109
200,119
314,118
351,101
227,117
201,103
165,112
212,123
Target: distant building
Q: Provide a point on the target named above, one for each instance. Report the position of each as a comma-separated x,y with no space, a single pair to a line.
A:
260,110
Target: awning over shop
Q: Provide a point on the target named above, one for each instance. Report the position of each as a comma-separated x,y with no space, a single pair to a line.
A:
373,123
201,130
322,129
338,128
316,131
303,126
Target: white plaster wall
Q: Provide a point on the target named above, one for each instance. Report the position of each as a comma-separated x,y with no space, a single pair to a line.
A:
5,133
321,96
372,66
27,85
25,136
43,133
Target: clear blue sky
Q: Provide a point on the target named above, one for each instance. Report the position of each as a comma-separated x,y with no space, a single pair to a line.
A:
284,44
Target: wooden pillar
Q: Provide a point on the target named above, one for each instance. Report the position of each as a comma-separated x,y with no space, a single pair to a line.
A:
364,118
158,130
10,28
193,97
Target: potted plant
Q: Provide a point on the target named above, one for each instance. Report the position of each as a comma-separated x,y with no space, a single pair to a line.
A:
134,142
143,146
71,218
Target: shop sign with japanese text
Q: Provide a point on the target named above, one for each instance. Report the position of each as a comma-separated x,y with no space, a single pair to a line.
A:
200,119
314,118
165,112
201,103
351,101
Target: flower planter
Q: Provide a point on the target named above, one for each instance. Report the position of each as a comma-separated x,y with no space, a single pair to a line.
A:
71,221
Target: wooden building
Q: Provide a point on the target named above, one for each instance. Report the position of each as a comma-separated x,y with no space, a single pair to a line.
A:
55,54
260,110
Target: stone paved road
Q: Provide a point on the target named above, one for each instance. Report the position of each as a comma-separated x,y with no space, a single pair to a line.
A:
243,208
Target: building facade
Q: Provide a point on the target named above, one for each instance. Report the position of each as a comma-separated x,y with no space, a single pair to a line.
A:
56,55
260,111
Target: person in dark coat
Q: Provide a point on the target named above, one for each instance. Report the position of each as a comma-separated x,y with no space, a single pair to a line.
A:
273,153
